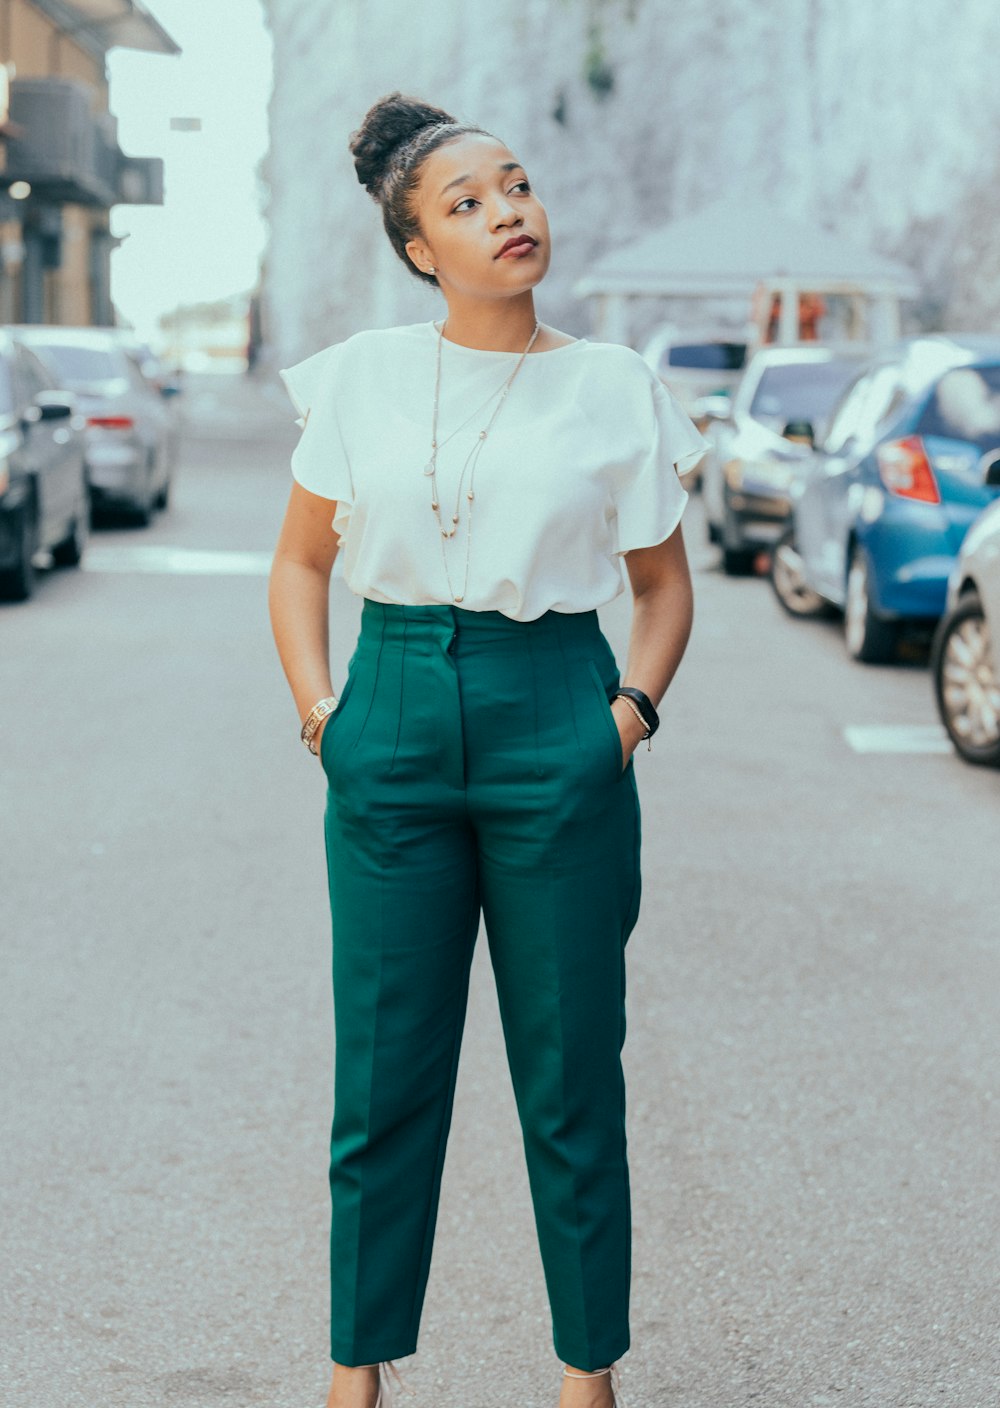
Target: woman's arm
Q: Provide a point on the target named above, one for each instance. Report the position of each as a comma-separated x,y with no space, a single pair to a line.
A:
299,597
661,625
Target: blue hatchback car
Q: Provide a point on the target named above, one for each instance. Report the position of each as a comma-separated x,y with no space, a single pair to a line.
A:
909,457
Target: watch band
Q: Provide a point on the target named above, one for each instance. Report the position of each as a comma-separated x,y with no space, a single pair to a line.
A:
650,717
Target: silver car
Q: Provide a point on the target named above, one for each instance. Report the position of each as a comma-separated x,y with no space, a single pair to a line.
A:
131,438
965,658
759,440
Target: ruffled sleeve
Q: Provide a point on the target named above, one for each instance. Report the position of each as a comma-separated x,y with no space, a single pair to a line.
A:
650,499
319,461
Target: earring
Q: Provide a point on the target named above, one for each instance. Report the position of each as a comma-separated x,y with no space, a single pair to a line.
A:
432,270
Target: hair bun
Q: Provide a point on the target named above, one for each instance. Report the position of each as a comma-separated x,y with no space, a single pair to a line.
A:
387,125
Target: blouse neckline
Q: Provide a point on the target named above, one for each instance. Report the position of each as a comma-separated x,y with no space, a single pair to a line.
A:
494,352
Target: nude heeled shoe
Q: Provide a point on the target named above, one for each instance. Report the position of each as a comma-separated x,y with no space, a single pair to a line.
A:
612,1369
385,1391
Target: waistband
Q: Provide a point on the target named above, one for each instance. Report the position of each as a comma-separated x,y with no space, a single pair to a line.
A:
394,620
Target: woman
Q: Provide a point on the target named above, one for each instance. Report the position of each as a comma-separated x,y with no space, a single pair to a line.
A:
485,474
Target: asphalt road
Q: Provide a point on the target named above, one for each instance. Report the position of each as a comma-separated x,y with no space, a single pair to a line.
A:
812,1053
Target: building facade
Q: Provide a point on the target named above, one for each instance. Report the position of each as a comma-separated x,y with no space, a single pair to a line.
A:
876,122
61,169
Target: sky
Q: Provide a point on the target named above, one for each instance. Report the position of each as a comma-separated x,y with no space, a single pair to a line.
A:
207,239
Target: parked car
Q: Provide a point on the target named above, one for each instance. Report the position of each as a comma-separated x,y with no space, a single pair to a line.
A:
910,458
130,433
44,497
693,363
755,442
965,656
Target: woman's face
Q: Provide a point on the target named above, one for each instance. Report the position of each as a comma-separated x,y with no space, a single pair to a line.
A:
472,198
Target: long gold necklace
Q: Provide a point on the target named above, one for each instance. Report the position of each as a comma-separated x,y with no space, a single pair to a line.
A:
471,459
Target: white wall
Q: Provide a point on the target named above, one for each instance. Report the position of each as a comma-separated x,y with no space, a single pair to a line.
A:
880,120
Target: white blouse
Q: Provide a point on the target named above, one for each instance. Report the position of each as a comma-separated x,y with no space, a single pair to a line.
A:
578,468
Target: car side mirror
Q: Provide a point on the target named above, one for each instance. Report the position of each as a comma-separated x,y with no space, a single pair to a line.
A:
169,388
801,431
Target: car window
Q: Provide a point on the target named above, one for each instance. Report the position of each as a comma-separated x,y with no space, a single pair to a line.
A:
705,356
135,376
965,405
803,390
76,367
32,374
868,405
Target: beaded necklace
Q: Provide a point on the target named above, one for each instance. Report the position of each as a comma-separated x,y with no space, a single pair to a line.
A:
471,459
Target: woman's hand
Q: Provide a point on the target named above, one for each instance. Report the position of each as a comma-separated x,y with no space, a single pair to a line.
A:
630,729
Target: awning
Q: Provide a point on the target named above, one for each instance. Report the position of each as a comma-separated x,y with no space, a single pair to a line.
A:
110,24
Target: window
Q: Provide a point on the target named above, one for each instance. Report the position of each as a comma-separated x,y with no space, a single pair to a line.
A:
869,405
965,405
803,390
32,376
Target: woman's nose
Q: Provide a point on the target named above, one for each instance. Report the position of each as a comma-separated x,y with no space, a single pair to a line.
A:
502,212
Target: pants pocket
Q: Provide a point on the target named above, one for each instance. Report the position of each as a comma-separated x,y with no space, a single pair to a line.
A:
336,717
609,725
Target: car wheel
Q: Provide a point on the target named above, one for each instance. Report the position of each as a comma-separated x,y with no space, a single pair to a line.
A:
18,582
967,682
69,553
737,559
789,583
163,497
142,512
869,639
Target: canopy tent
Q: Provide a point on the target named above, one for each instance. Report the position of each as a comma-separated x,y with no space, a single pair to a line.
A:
743,249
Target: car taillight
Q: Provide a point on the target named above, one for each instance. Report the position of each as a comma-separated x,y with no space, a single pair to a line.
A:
905,469
111,422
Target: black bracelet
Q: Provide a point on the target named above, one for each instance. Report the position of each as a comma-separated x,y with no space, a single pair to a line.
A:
645,706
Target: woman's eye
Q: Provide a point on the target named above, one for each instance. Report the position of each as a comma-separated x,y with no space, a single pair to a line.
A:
472,198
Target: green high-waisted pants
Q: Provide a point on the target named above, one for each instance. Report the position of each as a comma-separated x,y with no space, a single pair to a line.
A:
474,765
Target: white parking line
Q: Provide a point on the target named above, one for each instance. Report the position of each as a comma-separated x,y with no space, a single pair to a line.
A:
897,738
156,557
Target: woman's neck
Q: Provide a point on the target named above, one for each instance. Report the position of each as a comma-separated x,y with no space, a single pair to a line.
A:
495,327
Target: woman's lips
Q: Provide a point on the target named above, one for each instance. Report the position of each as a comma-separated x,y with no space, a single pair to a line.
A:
516,251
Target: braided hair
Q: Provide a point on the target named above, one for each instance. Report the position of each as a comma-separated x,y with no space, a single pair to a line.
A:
396,136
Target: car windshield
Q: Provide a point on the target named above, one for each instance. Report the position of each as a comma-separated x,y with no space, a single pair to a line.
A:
82,366
705,356
801,390
966,406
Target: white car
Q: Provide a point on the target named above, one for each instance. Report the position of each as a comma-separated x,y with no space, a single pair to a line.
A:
761,437
131,436
965,657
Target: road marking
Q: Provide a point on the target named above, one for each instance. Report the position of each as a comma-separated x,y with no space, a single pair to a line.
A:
897,738
157,557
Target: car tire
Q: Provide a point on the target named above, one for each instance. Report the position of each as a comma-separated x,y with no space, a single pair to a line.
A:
144,508
69,553
966,674
738,562
788,582
163,497
870,639
18,582
737,558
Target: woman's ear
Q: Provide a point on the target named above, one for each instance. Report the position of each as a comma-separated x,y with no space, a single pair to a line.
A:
419,255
